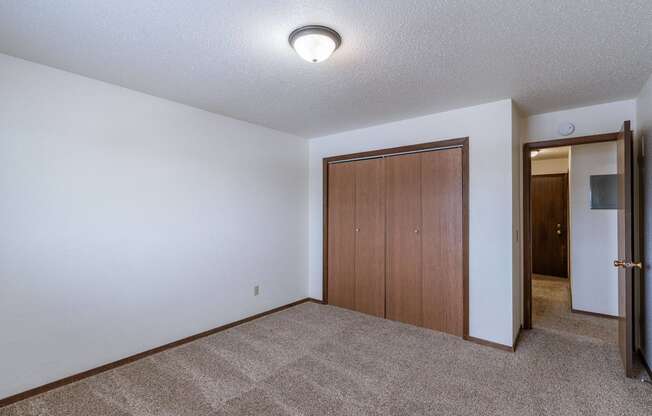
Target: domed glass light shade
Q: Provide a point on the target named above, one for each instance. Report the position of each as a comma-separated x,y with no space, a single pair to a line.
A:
315,43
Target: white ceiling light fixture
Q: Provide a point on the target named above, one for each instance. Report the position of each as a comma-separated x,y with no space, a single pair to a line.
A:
315,43
534,153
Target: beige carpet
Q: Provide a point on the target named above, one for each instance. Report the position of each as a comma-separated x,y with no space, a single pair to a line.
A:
552,310
322,360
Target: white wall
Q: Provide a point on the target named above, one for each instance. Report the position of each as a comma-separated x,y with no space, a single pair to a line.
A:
129,221
549,166
594,232
595,119
489,128
644,135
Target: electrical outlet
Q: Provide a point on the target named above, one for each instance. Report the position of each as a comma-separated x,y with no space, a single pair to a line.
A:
256,290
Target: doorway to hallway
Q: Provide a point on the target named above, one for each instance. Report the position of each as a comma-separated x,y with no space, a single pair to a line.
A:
611,192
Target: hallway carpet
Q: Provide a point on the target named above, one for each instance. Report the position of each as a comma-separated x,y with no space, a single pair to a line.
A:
551,309
322,360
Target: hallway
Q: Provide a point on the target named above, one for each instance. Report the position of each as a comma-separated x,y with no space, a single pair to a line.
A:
552,311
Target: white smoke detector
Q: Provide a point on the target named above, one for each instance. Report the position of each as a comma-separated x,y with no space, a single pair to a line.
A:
566,129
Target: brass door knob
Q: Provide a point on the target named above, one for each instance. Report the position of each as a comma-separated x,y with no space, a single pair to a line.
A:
638,265
627,264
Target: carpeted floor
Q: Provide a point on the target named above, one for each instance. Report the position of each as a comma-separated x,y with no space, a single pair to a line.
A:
552,310
321,360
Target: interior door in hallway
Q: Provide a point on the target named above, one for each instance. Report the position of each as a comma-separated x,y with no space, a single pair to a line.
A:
404,283
549,224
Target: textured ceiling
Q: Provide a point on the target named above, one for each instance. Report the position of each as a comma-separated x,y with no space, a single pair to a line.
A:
398,59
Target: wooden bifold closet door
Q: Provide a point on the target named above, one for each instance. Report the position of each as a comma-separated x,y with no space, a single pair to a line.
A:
442,241
356,229
396,238
404,239
425,240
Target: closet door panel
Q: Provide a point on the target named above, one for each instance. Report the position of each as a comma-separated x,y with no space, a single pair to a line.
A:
403,176
341,235
370,237
442,240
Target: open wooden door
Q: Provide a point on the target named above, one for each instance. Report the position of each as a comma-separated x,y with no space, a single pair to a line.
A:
625,262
